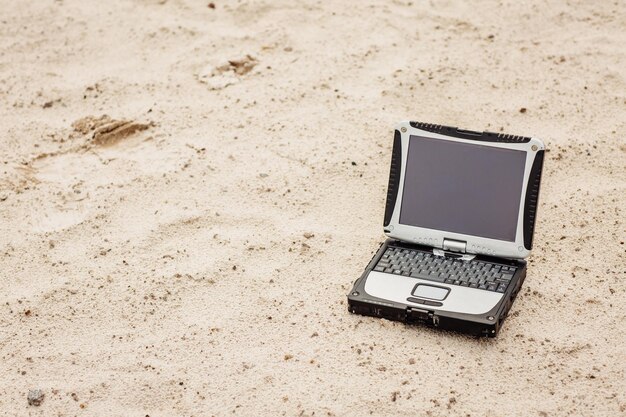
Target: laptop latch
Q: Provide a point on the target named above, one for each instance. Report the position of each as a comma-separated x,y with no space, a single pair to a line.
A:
417,315
454,245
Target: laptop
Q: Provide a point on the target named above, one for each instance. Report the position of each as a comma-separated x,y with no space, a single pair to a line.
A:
460,216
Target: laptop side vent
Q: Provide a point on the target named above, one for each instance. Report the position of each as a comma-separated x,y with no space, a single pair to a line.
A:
532,199
470,134
394,177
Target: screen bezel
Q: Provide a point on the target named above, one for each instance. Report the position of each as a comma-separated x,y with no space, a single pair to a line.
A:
474,244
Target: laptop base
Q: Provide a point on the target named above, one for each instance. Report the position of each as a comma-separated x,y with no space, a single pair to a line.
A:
484,325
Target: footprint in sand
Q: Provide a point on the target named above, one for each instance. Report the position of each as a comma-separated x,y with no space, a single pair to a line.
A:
223,73
96,137
73,176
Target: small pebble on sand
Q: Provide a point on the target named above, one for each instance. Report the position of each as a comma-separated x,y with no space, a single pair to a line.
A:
35,397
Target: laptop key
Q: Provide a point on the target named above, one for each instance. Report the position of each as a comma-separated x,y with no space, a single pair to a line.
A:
436,278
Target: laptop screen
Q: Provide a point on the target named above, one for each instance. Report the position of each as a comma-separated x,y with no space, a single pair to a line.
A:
462,188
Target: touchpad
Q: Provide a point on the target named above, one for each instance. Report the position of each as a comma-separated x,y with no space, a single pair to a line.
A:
431,292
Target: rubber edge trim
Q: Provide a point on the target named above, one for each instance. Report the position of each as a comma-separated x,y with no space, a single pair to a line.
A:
394,177
470,134
532,200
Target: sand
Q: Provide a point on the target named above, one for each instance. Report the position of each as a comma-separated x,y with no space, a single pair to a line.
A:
187,194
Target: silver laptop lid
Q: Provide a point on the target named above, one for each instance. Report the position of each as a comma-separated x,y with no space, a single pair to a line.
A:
464,191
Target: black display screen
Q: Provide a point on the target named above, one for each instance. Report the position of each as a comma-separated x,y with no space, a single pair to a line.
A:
462,188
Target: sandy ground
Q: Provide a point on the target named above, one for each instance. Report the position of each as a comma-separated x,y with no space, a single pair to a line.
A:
187,194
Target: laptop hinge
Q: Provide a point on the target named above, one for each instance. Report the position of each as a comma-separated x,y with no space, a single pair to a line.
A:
454,245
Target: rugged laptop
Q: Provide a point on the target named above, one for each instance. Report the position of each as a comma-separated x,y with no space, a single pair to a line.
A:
460,215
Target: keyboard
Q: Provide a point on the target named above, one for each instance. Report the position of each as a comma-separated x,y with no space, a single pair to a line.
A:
425,265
